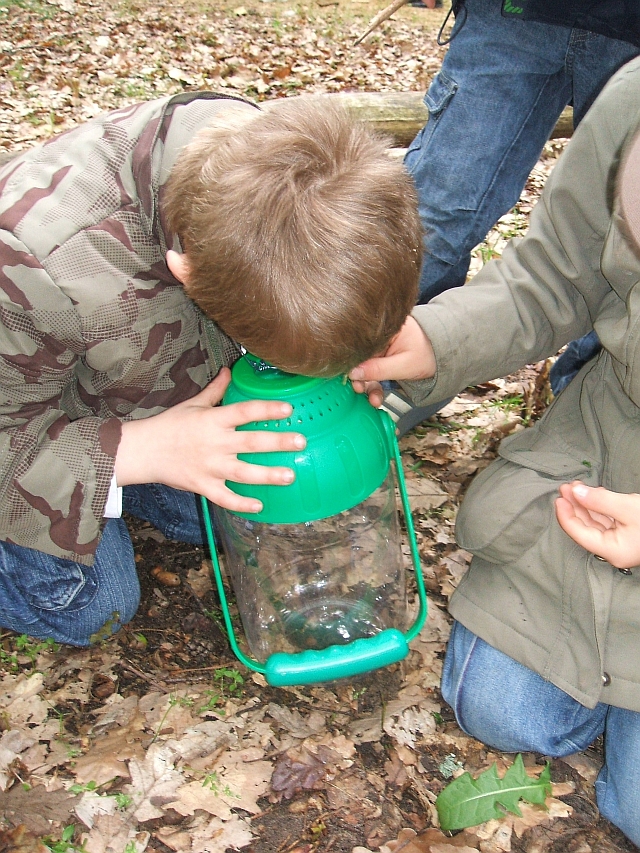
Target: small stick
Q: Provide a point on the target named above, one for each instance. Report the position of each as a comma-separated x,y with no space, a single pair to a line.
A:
148,678
382,16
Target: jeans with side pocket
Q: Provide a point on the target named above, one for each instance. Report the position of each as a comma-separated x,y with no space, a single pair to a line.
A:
502,86
513,709
501,89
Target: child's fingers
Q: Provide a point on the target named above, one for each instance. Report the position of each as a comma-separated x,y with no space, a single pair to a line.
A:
572,516
408,356
589,517
374,393
565,513
571,492
398,366
214,391
589,537
614,506
226,498
252,411
265,441
617,545
269,475
373,390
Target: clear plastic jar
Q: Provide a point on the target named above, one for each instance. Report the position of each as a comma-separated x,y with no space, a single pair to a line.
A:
318,583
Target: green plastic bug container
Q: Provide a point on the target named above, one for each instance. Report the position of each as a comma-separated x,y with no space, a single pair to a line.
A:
318,575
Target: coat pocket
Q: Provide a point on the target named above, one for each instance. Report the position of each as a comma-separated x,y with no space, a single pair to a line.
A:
511,502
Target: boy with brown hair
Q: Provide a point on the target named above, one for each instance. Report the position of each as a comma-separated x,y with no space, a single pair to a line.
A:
137,252
327,251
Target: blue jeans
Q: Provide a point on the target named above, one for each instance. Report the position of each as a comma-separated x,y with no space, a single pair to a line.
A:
502,86
50,597
511,708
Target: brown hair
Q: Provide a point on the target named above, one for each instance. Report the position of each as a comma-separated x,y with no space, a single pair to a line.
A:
301,234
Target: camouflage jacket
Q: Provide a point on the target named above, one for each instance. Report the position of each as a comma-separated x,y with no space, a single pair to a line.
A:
94,329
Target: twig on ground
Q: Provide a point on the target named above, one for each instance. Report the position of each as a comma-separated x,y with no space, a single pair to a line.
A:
125,664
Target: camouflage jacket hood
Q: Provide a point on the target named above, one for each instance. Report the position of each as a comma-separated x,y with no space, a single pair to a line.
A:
94,329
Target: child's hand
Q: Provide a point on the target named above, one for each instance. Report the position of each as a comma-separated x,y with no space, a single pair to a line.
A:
194,446
604,522
408,356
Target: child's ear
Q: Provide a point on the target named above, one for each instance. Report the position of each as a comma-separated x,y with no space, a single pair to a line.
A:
179,266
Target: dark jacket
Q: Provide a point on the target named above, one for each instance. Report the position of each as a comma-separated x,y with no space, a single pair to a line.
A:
618,19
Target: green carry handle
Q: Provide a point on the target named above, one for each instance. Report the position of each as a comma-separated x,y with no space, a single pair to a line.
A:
334,662
311,666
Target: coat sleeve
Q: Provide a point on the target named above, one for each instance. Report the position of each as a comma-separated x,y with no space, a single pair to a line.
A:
55,472
548,288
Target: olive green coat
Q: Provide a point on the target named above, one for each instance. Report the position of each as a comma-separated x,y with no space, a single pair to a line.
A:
531,591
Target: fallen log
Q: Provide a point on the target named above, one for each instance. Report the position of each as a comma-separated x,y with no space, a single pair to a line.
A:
401,114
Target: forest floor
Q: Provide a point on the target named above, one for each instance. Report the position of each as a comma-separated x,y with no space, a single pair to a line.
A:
157,738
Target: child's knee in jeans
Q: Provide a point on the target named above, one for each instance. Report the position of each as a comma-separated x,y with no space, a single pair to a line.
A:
462,689
85,622
509,706
617,801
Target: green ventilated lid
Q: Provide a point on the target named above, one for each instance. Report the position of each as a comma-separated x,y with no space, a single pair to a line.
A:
347,454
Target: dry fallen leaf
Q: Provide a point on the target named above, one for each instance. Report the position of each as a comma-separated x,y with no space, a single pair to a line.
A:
20,840
585,766
300,769
410,841
210,836
200,580
108,755
229,783
293,722
36,808
113,833
154,781
424,493
20,700
410,725
536,816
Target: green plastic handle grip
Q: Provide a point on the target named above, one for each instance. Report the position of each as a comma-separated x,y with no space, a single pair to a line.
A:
311,666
